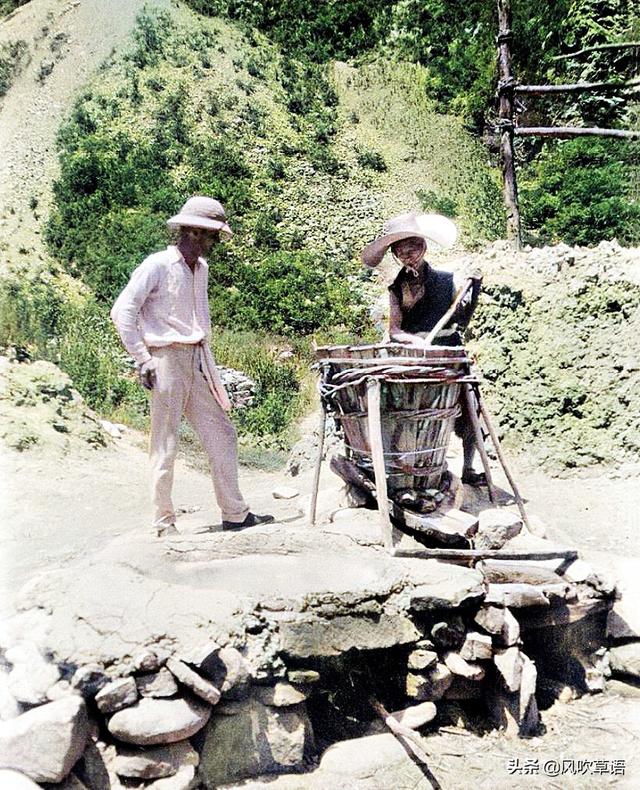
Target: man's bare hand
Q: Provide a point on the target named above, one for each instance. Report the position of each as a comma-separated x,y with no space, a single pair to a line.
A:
147,374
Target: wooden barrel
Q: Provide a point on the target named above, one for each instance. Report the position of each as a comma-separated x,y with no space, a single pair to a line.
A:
420,394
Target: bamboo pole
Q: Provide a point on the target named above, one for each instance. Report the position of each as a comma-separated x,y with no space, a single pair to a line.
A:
505,112
449,314
316,473
471,408
578,87
377,456
566,132
501,458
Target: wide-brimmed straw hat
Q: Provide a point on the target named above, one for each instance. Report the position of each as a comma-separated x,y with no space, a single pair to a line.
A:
432,228
202,212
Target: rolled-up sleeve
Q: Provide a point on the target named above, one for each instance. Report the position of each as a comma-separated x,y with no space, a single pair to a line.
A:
126,310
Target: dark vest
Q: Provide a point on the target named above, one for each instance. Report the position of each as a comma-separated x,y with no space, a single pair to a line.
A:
439,293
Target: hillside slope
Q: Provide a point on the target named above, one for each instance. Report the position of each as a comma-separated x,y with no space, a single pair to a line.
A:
65,43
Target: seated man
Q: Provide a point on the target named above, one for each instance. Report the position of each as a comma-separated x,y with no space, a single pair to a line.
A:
162,317
420,296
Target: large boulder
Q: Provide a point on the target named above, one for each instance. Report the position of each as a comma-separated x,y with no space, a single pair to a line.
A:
45,742
256,739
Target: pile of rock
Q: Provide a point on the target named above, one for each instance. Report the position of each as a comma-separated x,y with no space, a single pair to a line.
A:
39,406
240,388
90,731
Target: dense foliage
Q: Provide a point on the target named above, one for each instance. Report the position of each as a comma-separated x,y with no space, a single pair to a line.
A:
575,190
455,41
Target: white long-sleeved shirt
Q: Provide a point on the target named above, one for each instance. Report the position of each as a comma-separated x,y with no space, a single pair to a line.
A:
164,302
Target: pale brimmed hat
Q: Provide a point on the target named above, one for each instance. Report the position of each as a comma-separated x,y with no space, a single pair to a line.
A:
202,212
432,228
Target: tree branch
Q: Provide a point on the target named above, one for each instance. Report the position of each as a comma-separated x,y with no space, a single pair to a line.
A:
597,48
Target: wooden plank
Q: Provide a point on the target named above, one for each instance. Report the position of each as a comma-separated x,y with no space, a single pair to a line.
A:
473,555
377,456
448,526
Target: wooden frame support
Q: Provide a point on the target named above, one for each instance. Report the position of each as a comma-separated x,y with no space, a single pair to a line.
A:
377,456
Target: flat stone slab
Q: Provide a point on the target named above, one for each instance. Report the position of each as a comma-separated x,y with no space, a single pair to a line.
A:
156,721
318,593
375,761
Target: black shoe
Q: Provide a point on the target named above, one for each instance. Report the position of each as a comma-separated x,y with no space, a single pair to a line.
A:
251,520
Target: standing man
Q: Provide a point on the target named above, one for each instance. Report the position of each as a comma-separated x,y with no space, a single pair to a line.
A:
421,295
162,317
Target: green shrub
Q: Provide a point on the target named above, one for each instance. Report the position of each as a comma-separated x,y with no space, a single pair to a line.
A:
440,204
281,393
371,159
7,6
12,54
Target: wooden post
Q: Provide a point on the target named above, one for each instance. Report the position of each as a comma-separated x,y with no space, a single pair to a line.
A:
316,473
377,456
506,86
477,431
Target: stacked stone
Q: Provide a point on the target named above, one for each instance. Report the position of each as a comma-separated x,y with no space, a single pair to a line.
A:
89,731
478,659
240,388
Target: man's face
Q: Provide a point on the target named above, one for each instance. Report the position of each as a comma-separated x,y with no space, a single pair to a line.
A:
202,239
409,251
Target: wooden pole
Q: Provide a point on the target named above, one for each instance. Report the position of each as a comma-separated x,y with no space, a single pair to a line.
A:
377,456
473,416
501,458
316,473
505,112
414,741
578,87
574,131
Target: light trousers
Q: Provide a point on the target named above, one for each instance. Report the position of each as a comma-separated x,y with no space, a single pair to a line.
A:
181,388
